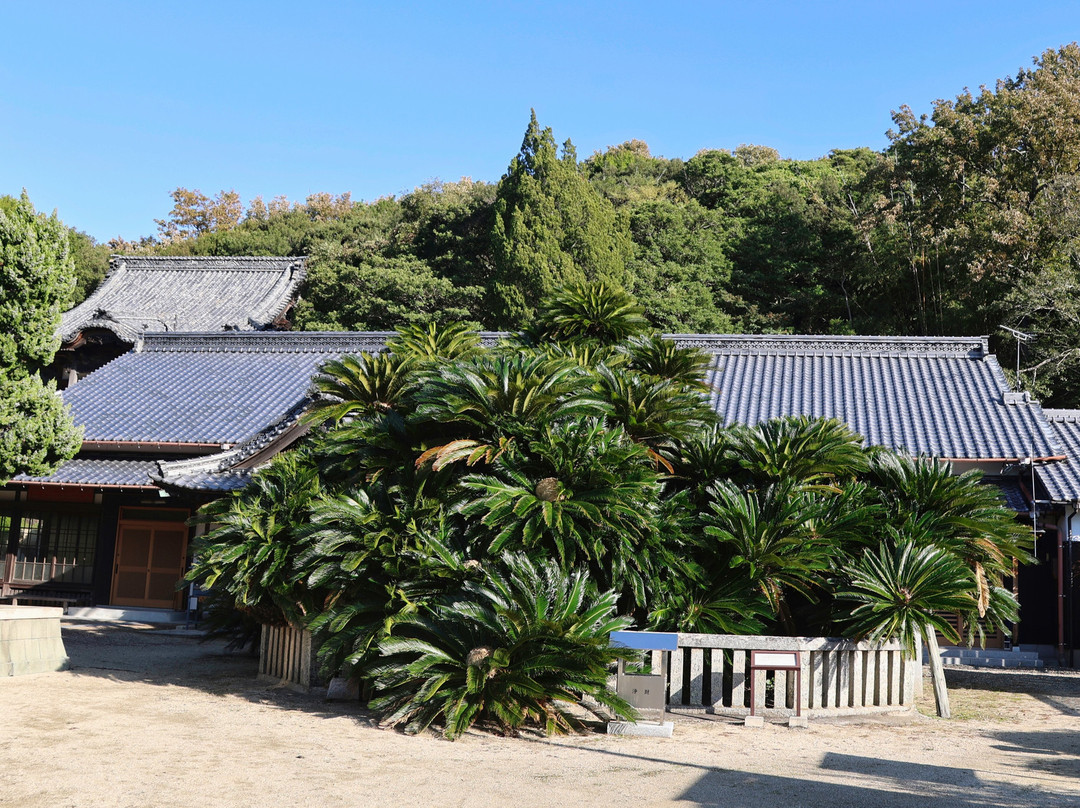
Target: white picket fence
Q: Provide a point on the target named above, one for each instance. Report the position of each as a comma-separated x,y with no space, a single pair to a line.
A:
710,672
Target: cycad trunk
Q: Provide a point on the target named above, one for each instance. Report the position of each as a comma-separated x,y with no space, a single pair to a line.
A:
937,675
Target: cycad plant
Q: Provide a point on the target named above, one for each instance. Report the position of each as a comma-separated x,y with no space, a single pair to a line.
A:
960,515
767,538
361,386
521,648
904,590
582,494
812,451
659,358
258,533
590,312
435,344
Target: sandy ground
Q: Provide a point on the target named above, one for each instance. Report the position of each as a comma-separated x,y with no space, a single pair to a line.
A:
146,719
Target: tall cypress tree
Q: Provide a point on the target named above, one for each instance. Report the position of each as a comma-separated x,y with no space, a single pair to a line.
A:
551,228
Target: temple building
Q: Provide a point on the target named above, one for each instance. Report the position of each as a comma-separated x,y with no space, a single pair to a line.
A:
164,293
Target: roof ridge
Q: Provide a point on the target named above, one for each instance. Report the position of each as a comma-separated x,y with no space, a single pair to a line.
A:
263,341
208,263
834,345
1061,414
199,259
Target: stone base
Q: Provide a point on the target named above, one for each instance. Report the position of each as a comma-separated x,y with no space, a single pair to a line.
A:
663,730
754,721
342,689
798,721
30,640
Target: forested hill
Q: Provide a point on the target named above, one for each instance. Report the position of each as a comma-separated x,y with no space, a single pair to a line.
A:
970,220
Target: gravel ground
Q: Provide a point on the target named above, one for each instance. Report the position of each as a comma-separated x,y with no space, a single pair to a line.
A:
149,719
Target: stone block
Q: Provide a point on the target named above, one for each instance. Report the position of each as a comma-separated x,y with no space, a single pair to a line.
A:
30,641
342,689
754,721
798,721
641,729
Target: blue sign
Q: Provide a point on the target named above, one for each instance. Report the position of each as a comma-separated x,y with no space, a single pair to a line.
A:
646,640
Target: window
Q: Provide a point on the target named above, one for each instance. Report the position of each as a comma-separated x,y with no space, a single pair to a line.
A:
52,546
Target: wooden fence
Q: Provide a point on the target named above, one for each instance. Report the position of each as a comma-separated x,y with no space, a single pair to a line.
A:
711,672
51,570
286,657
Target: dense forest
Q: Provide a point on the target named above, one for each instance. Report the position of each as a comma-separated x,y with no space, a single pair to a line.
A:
967,222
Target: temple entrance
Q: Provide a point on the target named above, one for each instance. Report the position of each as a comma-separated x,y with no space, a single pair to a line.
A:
151,554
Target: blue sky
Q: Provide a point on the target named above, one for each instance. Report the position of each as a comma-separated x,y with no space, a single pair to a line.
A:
107,107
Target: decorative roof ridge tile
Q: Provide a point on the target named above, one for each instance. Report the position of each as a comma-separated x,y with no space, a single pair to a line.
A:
975,347
232,263
1061,415
276,341
263,341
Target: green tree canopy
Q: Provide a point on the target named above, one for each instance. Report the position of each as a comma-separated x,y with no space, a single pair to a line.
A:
36,279
550,228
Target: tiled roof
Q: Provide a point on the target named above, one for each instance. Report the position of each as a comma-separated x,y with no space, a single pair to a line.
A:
1062,480
221,388
97,472
160,293
940,396
1011,493
227,470
209,482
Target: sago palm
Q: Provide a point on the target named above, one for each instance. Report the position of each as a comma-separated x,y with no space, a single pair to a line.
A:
589,312
256,537
763,535
904,591
505,396
518,649
661,358
433,343
960,515
656,413
362,385
582,493
813,451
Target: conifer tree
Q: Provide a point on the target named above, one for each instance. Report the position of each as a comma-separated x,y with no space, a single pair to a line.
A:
551,228
36,278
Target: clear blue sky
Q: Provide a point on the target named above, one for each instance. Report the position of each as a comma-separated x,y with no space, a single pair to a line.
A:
107,107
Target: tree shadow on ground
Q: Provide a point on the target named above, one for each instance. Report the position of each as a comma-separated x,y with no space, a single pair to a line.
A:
873,781
735,789
1054,752
158,657
1057,690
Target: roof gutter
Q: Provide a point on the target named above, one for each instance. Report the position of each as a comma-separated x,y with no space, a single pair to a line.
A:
153,447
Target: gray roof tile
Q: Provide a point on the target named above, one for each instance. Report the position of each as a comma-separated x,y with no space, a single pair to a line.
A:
1062,480
164,293
97,472
210,482
205,388
940,396
1011,492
